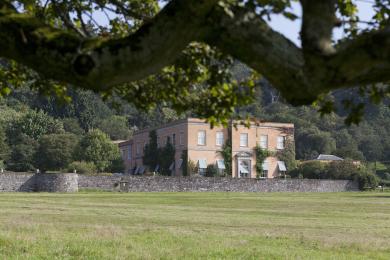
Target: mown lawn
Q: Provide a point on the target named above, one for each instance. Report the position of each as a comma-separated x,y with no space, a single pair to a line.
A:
195,225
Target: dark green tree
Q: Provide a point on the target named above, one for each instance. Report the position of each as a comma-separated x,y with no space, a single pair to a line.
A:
96,147
35,124
116,127
56,151
23,154
166,156
227,156
151,152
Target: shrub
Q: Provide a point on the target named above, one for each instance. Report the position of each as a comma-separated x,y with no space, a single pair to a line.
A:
82,167
211,171
96,147
55,151
191,167
310,170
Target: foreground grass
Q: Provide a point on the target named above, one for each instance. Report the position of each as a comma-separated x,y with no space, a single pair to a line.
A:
195,225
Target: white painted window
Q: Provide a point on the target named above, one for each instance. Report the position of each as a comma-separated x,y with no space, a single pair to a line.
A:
244,140
264,173
264,141
280,142
129,153
219,139
202,137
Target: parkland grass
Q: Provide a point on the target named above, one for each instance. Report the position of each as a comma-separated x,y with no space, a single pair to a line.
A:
92,225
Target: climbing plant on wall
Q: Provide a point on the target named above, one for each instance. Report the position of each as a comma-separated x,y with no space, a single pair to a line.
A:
261,155
227,156
287,155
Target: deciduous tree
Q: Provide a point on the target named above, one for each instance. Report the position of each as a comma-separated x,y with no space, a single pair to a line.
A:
181,53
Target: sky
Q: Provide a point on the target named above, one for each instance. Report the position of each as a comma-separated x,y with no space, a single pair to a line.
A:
287,27
291,29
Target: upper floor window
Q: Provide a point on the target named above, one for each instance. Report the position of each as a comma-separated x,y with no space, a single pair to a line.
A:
129,153
244,140
138,149
168,140
174,139
202,137
181,137
219,139
264,141
281,142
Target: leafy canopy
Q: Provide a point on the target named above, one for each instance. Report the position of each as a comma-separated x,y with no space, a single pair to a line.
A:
181,53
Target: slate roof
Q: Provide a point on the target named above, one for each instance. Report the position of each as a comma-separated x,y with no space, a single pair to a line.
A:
328,157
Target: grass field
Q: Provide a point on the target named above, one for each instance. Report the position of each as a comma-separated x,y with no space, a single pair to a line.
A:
195,225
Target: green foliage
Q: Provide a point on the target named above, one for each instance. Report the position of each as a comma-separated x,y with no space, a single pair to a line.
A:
55,151
184,157
313,142
211,171
341,170
227,156
166,156
116,166
23,154
261,155
82,167
151,151
116,127
287,155
96,147
71,125
192,169
4,148
310,170
35,124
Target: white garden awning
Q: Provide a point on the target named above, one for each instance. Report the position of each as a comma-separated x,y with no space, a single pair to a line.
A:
265,166
202,164
136,170
172,167
179,163
243,169
282,166
141,170
157,168
221,164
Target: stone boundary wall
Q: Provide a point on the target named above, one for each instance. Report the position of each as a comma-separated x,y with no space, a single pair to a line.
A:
98,182
16,182
27,182
71,182
177,184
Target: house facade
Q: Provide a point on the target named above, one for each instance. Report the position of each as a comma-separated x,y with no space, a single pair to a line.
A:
204,145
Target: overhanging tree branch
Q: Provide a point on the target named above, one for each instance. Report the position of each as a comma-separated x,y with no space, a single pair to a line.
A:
301,74
99,63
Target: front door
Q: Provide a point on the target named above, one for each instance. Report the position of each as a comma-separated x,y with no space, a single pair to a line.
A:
244,168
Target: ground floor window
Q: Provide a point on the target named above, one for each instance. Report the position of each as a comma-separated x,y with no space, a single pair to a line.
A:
264,174
244,168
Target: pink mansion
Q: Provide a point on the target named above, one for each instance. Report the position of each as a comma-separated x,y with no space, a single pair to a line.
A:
204,145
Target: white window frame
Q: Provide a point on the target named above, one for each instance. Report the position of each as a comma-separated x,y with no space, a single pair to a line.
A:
280,142
246,138
200,142
263,143
219,138
264,173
